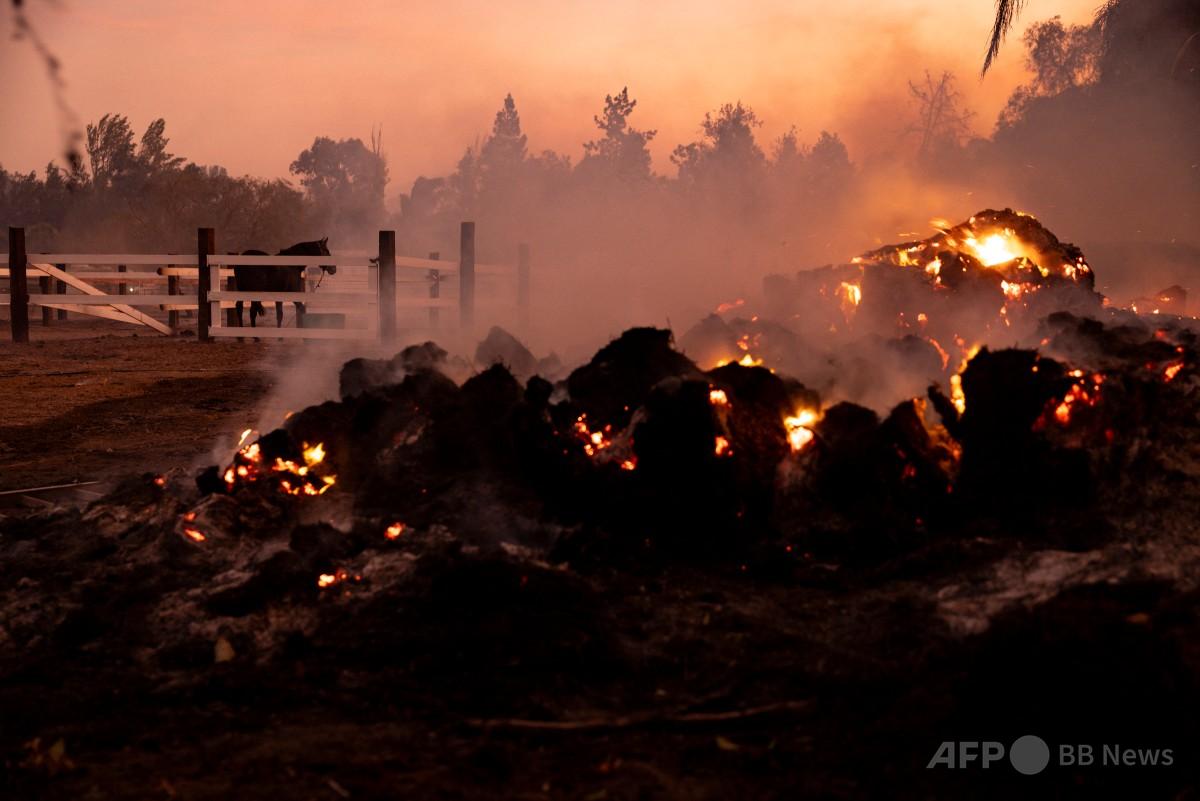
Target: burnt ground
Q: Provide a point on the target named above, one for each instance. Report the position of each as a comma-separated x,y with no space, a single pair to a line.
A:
88,408
552,626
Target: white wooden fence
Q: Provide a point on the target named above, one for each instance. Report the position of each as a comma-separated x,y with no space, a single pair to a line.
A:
363,293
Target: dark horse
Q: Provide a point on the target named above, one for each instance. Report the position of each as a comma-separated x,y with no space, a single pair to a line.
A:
278,279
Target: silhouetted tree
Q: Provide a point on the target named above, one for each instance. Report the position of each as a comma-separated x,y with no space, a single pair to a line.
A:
152,152
111,152
727,152
623,151
345,182
504,152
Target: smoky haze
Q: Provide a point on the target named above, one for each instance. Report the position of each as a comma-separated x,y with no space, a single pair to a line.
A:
657,220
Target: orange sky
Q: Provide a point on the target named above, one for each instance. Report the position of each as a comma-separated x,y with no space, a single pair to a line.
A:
249,84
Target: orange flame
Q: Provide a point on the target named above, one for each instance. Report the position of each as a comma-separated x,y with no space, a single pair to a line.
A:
799,429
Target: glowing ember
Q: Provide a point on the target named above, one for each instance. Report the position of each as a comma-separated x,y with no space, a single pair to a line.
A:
799,429
722,447
850,295
394,531
294,478
995,248
314,455
1172,370
1012,289
160,481
956,393
194,534
724,307
593,441
629,464
748,360
327,580
717,397
1078,395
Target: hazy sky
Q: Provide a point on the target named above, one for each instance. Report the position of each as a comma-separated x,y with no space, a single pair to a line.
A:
249,84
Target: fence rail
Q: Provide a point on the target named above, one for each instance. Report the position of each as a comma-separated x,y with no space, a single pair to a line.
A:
369,314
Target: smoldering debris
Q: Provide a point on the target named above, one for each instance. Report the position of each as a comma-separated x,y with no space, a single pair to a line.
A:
717,564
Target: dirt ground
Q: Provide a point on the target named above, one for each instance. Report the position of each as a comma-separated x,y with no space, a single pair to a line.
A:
88,401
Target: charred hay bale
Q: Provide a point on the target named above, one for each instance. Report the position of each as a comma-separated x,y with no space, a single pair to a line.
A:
474,427
363,375
620,376
758,402
1008,466
869,489
690,494
846,459
709,341
357,431
1087,340
920,462
501,347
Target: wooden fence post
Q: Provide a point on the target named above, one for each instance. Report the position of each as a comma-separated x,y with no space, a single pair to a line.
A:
435,292
230,285
206,245
523,284
44,288
387,286
173,289
122,287
466,276
18,290
60,288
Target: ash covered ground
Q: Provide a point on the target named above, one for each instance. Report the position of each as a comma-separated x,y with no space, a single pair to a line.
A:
648,578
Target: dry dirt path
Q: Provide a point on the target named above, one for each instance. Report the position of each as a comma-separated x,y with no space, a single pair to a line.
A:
91,409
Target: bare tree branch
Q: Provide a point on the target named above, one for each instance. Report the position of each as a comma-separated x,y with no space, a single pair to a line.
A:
68,121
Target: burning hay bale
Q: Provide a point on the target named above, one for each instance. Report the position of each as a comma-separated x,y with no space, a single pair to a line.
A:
993,276
620,376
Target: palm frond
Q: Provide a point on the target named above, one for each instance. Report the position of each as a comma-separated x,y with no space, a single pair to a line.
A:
1006,14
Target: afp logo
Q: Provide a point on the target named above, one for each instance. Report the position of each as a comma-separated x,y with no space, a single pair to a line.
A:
1027,755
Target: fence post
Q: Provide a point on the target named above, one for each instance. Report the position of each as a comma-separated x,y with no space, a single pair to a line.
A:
230,285
44,288
122,287
206,245
387,286
435,292
466,276
60,288
18,290
523,284
173,289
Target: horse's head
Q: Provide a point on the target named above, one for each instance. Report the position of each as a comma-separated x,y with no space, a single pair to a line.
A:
319,247
324,245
